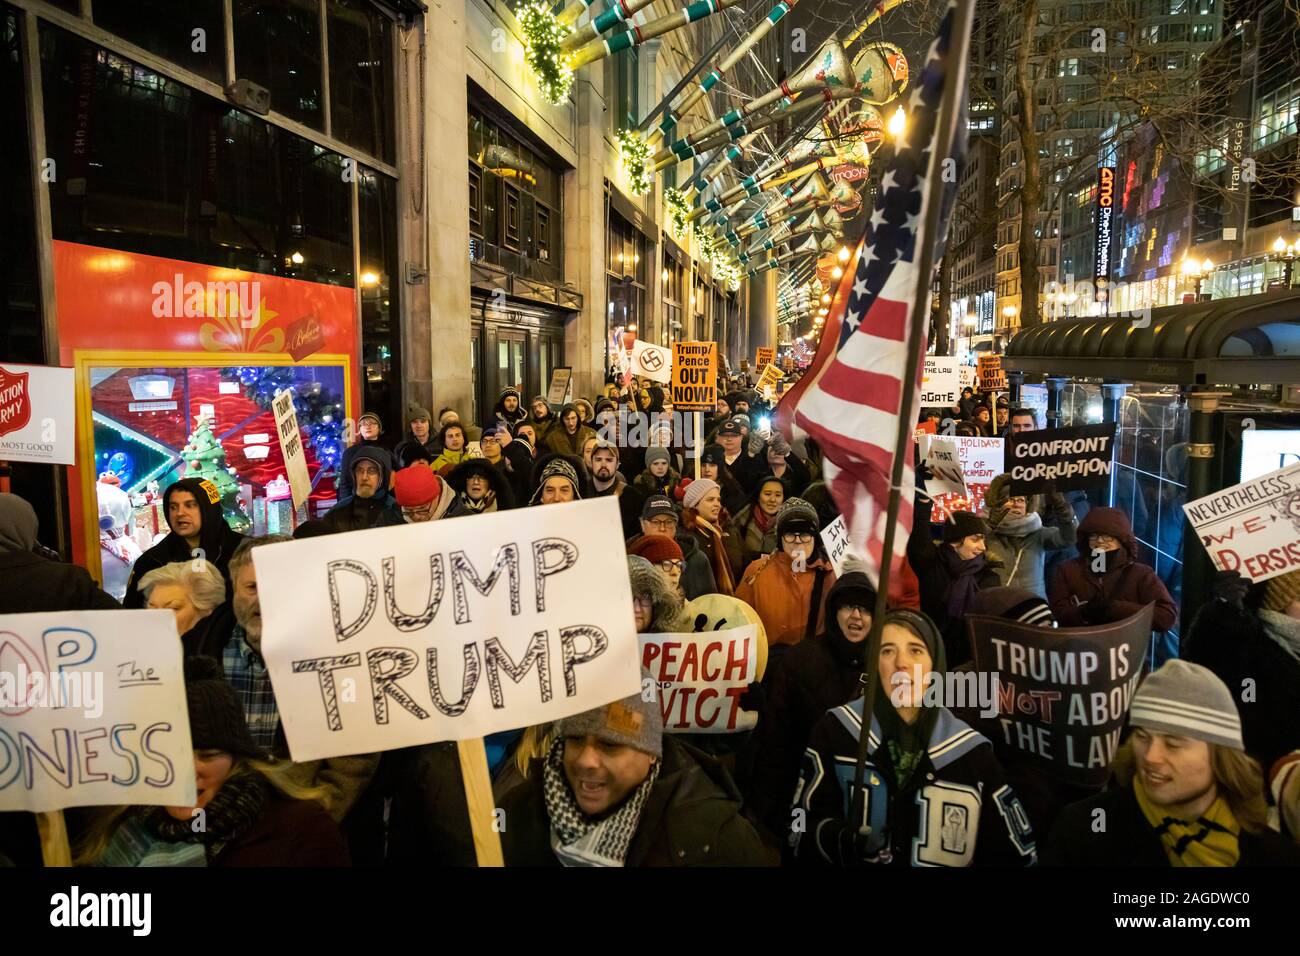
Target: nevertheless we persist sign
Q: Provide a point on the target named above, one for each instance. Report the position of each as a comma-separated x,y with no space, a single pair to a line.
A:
1253,527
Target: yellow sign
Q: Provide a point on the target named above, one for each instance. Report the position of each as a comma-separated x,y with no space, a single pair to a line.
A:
695,376
992,378
765,356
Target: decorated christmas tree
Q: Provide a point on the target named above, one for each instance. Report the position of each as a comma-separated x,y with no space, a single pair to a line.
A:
205,458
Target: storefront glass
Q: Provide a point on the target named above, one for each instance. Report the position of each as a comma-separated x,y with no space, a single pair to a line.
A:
191,34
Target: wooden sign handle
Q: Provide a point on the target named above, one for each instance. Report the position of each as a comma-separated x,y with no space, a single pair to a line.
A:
478,796
53,830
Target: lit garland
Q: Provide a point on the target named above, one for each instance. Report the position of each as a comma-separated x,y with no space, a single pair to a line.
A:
634,153
542,37
679,212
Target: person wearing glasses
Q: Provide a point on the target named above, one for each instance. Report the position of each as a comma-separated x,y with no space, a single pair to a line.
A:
789,587
659,518
423,495
665,555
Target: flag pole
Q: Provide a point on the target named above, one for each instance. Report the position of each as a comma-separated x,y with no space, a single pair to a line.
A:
945,128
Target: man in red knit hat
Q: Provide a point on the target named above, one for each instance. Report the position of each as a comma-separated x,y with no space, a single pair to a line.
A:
665,554
422,494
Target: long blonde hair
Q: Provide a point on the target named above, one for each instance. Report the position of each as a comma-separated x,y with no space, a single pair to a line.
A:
1238,777
536,741
106,820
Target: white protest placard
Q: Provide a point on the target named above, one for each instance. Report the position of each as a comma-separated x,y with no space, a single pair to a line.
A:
449,630
295,456
93,711
835,537
940,456
940,386
1253,527
37,414
652,361
701,677
966,376
981,458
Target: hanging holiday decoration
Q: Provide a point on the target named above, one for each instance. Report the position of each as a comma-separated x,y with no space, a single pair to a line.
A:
543,35
634,153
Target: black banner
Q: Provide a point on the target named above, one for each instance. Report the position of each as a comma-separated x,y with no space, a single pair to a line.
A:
1060,459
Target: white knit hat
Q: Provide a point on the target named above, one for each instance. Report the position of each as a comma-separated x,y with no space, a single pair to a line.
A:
1189,700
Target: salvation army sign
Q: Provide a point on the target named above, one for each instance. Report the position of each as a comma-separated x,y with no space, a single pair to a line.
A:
93,711
1253,527
450,630
37,415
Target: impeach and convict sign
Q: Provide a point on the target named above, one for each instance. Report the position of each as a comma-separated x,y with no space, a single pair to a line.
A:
701,677
1253,527
415,634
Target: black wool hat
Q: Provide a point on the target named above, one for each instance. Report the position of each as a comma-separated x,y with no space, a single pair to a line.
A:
216,717
962,524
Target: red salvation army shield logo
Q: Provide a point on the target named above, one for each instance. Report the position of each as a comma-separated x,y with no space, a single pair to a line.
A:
15,401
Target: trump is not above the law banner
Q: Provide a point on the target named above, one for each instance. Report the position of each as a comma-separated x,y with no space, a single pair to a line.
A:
93,711
1060,459
1062,695
700,678
447,630
1253,527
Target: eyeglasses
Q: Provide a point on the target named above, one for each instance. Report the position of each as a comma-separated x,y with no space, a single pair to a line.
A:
672,564
864,611
422,513
796,537
662,524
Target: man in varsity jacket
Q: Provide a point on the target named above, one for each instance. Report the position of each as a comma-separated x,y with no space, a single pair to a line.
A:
935,792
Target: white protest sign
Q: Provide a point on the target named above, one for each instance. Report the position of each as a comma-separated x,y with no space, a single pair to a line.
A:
701,677
1035,397
93,711
1253,527
940,456
981,458
652,361
37,414
940,386
835,537
966,376
295,457
450,630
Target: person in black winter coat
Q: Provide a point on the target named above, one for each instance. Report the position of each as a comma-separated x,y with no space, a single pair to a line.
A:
1186,793
1253,634
950,573
373,505
935,793
418,445
816,675
31,583
192,507
508,409
615,791
491,491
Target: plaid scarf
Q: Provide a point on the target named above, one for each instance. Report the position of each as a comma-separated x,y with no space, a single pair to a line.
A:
580,840
1209,840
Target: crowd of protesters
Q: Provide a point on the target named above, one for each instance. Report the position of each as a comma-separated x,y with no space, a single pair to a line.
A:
1205,776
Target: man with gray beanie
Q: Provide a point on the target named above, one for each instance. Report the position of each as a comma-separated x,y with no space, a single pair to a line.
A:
615,791
1186,793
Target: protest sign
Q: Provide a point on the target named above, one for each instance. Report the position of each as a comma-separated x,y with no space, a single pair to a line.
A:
701,678
966,376
835,538
992,378
695,376
1060,459
559,385
940,386
295,458
769,377
940,456
981,461
93,711
37,415
927,427
652,361
394,637
1062,695
1035,397
1254,527
764,356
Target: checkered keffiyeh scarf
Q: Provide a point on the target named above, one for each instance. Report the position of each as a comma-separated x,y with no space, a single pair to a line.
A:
580,840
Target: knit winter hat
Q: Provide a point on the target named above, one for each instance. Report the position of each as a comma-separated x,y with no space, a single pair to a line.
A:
374,416
962,524
797,517
1280,591
920,624
630,722
713,455
655,453
557,467
414,412
416,485
656,548
778,444
1190,700
216,716
696,490
1013,604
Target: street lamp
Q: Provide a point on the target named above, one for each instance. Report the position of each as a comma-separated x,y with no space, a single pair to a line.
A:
1009,313
970,322
1286,252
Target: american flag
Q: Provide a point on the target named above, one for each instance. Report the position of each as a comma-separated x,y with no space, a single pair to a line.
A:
849,399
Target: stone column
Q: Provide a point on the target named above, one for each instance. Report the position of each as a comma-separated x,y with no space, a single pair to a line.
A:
584,236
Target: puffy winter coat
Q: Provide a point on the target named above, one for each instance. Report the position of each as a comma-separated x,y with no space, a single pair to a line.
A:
1129,841
783,597
1019,545
1081,596
691,818
956,809
31,583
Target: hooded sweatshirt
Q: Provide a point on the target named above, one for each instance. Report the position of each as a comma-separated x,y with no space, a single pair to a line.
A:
216,538
1080,596
541,425
31,583
356,514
